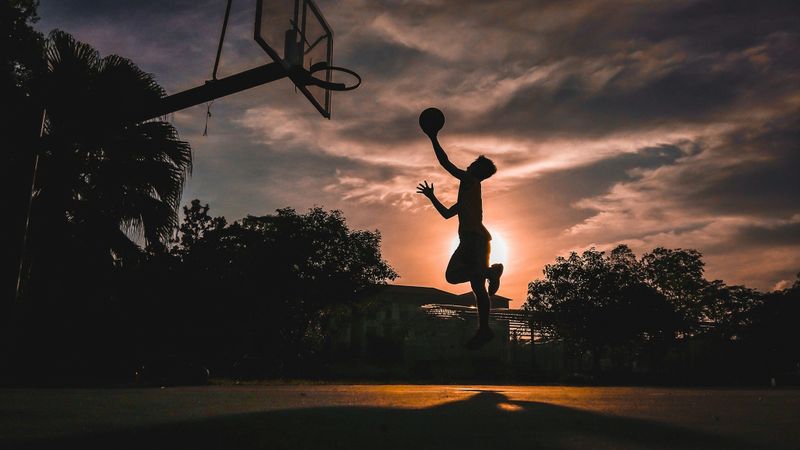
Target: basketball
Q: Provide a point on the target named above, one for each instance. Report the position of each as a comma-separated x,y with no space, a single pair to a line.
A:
431,120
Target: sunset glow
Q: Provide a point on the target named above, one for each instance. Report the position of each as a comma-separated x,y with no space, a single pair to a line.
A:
499,249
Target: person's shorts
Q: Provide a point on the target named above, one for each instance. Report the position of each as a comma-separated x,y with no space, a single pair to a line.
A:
472,252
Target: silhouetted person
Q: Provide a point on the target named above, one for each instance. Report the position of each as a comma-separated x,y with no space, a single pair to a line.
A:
470,261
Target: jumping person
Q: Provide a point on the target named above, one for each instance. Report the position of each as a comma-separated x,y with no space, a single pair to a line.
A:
470,261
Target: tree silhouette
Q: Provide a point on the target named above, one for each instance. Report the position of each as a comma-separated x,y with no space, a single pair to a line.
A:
772,332
105,187
263,285
196,223
21,56
598,303
678,274
102,177
661,312
729,308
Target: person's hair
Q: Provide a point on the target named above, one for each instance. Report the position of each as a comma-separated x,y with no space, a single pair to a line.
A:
484,167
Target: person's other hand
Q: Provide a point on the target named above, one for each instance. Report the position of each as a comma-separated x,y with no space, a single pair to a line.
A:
425,189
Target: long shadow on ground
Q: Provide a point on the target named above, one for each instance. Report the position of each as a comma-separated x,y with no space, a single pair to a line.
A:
485,420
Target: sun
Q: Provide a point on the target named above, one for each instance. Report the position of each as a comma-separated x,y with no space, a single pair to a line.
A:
499,248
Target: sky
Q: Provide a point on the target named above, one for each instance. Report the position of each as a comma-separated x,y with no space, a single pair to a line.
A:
649,123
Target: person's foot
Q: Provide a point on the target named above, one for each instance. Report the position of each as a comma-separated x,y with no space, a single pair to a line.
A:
482,336
495,272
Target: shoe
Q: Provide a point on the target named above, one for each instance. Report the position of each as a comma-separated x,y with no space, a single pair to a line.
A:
482,336
495,272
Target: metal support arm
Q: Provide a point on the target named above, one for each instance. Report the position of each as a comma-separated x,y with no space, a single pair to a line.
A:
214,89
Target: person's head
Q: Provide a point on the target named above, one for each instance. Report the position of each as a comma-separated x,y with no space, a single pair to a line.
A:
482,168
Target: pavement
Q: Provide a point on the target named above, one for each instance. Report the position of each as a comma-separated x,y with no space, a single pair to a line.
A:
408,417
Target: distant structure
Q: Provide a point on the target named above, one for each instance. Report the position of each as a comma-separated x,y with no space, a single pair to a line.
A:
421,331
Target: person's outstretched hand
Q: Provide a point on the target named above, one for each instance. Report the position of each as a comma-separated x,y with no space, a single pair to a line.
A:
425,189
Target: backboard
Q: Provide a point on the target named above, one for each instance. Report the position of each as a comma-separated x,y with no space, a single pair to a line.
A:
295,34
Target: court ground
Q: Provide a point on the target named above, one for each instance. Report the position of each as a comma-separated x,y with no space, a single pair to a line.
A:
399,417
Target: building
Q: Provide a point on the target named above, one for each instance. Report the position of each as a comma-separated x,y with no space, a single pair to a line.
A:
421,331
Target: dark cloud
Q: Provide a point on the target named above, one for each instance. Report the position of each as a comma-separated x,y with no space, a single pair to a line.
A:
381,130
716,25
386,61
113,9
765,184
704,89
778,235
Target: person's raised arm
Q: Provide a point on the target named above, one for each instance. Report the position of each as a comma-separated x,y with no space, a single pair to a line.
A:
427,191
444,160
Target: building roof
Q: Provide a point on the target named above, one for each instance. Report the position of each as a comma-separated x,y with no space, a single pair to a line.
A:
417,295
420,295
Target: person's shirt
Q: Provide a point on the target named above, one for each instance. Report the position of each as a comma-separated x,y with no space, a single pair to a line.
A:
470,208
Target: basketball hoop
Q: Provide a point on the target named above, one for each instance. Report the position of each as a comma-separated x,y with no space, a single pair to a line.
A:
310,79
298,39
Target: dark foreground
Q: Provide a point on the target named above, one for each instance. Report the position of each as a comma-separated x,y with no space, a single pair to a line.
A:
399,417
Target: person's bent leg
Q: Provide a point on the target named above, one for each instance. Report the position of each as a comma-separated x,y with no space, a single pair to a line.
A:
457,269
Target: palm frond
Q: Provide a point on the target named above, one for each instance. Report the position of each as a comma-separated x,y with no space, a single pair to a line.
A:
106,172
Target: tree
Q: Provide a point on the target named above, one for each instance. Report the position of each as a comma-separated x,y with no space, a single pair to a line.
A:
678,274
263,285
729,308
102,177
196,224
20,46
772,331
21,56
597,302
105,184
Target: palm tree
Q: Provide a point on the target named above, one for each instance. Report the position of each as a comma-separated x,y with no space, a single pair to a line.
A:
102,176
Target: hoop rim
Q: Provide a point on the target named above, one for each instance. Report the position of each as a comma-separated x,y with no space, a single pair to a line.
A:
331,85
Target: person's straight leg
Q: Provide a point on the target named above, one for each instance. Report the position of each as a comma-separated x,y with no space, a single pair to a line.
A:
484,333
482,300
